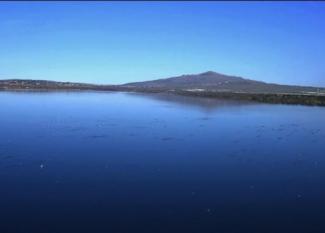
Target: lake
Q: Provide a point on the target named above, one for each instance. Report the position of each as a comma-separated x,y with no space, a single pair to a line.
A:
126,162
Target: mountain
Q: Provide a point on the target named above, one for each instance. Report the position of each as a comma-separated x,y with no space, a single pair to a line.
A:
212,81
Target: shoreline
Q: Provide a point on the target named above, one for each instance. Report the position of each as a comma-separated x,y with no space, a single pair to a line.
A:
272,98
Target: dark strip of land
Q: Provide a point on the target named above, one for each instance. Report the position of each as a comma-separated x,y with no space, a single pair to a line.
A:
276,98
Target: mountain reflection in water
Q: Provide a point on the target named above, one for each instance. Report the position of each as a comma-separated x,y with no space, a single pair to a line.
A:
204,103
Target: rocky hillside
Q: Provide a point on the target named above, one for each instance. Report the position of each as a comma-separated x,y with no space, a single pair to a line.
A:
212,81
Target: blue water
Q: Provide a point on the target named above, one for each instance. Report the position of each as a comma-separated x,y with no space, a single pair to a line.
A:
118,162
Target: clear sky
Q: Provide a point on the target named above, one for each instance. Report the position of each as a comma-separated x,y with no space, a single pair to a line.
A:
118,42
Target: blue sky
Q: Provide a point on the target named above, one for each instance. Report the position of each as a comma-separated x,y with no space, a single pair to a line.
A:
118,42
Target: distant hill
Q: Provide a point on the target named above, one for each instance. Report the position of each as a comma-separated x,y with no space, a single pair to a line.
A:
212,81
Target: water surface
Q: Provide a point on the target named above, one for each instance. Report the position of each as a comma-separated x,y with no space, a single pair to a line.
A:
118,162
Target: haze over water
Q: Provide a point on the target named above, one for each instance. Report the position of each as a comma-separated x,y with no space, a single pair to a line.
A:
118,162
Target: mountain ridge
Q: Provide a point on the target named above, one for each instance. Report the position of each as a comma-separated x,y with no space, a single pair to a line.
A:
211,80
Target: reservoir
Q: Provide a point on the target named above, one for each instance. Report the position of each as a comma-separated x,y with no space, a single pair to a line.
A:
124,162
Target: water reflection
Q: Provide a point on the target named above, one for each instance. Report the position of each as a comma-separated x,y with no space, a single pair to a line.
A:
203,103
